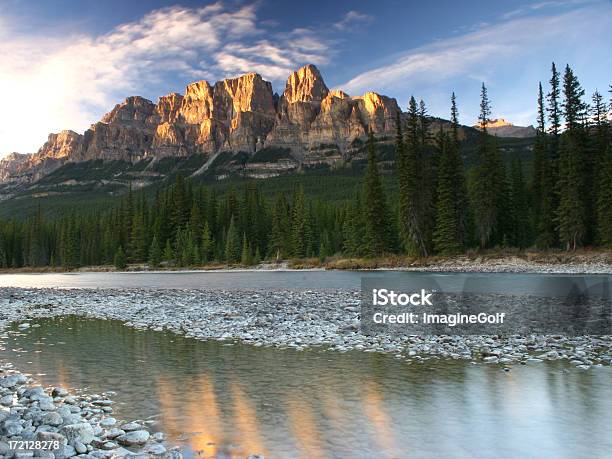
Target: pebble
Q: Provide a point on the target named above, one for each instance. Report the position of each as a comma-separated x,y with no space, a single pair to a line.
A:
74,425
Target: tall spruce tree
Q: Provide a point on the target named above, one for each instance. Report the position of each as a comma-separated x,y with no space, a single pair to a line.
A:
603,154
460,187
446,234
232,243
155,253
413,213
376,228
572,186
484,196
543,185
519,230
554,110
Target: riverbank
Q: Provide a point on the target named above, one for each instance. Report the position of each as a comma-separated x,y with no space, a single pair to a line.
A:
54,423
328,320
553,262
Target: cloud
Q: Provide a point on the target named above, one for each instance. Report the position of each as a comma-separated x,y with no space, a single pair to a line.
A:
56,82
504,52
351,19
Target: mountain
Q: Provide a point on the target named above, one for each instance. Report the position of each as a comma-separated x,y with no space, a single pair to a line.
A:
502,128
235,128
308,124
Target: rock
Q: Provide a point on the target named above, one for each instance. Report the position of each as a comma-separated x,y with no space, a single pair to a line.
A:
65,451
59,392
46,404
12,381
80,447
108,422
7,400
52,418
130,426
51,436
114,433
136,437
155,449
34,393
12,428
71,400
82,432
313,124
110,445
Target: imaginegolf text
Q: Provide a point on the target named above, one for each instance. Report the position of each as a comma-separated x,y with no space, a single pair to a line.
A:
446,319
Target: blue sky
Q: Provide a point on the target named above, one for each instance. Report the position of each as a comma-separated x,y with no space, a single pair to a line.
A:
65,63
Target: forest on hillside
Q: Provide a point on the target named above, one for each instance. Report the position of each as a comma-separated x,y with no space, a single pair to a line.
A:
438,207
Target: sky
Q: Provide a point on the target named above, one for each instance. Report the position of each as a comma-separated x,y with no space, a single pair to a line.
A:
63,64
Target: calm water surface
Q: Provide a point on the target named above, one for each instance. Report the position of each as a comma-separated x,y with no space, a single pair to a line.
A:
236,400
541,284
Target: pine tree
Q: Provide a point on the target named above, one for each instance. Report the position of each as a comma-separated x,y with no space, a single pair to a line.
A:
138,238
232,243
207,244
573,106
484,195
604,200
120,259
543,199
446,234
413,207
301,235
603,152
246,258
169,255
154,253
574,168
571,212
459,184
554,111
374,205
519,230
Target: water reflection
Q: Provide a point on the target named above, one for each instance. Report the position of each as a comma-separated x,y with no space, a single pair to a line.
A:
230,401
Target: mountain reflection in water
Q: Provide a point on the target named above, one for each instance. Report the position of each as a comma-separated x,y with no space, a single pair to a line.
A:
229,401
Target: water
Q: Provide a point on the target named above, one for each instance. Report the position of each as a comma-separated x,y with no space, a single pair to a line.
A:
510,283
236,400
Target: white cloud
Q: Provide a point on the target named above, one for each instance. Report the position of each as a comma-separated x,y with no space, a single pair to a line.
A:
502,54
60,82
351,19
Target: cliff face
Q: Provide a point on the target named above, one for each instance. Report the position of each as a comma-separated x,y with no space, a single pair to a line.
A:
239,114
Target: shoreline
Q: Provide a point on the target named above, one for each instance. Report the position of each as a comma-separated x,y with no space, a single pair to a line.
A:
54,422
287,319
553,263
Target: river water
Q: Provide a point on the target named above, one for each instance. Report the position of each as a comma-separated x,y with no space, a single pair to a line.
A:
221,400
227,401
510,283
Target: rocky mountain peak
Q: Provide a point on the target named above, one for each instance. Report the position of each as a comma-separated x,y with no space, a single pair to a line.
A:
305,85
240,114
249,93
132,109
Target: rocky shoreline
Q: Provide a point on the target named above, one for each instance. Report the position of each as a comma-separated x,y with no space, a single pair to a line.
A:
55,424
288,319
585,263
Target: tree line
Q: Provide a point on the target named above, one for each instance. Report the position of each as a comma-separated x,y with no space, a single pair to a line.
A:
438,208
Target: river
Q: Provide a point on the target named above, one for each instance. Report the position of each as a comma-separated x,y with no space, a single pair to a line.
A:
224,400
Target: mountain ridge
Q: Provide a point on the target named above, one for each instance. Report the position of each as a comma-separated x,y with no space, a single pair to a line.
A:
239,114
